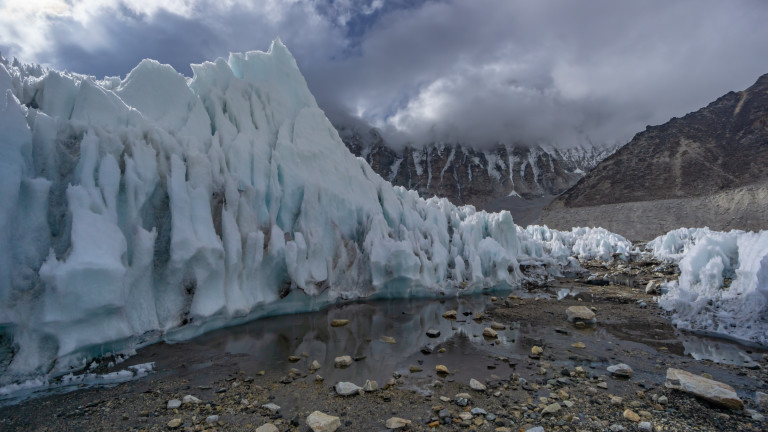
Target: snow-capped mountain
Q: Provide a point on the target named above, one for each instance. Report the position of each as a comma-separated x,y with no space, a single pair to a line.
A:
466,175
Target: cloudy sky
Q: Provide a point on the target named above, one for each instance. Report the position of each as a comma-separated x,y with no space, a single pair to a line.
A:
475,71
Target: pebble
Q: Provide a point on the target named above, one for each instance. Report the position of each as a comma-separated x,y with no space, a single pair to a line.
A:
551,409
396,423
578,345
433,333
465,416
345,388
535,429
498,326
478,411
490,333
631,415
646,426
388,339
339,322
321,422
211,419
370,386
451,314
537,350
173,424
269,427
173,404
582,313
621,370
476,385
441,369
616,427
189,399
272,407
315,365
615,400
294,358
342,362
414,369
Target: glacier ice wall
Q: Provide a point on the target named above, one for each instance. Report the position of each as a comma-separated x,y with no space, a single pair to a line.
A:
723,284
161,206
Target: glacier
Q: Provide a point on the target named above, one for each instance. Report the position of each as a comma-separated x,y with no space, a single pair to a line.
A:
158,207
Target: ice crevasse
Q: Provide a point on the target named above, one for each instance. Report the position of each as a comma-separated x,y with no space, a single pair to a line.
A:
162,206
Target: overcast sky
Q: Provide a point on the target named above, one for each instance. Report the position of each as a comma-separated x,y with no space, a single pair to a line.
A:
475,71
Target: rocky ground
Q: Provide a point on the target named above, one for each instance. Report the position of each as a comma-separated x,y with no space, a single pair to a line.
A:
555,379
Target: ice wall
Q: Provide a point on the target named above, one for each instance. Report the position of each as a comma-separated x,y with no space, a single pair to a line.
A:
723,284
161,206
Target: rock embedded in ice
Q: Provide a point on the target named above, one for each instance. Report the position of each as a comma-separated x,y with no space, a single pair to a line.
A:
451,314
476,385
621,370
388,339
653,287
173,404
433,333
339,322
345,388
321,422
710,390
582,313
397,423
342,361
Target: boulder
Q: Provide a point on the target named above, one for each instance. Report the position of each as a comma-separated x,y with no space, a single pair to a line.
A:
710,390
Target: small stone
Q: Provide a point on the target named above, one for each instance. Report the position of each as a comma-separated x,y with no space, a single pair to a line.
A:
662,400
388,339
342,362
707,375
465,416
321,422
478,411
344,388
578,345
631,415
173,404
293,358
579,324
451,314
212,419
414,369
704,388
535,429
370,386
551,409
537,350
433,333
615,400
442,350
269,427
602,385
581,313
621,370
761,399
616,427
645,426
189,399
653,287
441,369
396,423
490,333
272,407
339,322
319,378
173,424
476,385
314,366
498,326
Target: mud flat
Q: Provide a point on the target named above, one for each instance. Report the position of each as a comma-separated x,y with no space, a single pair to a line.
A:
540,370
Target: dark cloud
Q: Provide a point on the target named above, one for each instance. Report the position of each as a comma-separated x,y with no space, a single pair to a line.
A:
479,71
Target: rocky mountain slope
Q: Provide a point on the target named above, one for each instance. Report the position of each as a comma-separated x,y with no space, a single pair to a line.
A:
706,168
465,175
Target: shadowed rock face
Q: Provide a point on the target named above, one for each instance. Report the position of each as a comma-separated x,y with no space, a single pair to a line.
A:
705,169
719,147
468,176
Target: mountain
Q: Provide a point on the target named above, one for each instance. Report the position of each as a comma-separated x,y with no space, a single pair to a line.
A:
704,169
492,179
